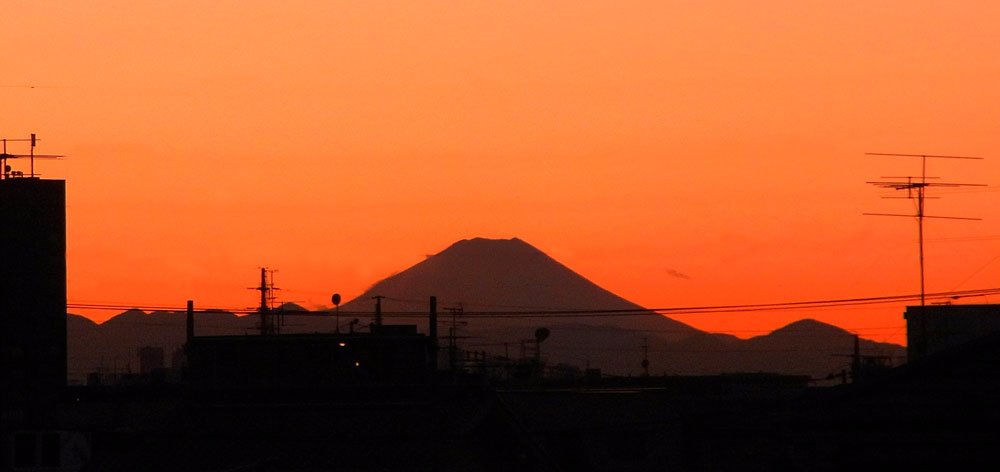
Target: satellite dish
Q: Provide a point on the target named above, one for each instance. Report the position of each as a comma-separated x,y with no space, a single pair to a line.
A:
541,334
336,299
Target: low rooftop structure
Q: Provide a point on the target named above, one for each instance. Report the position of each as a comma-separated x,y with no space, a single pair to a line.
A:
398,355
932,329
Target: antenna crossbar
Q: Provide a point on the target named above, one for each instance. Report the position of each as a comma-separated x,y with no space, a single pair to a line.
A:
916,188
7,172
933,156
924,216
912,184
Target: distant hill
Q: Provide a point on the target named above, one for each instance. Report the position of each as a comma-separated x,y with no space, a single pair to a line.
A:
805,347
497,282
84,346
112,346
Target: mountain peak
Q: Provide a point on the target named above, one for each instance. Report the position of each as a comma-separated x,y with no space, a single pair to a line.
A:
479,240
487,245
483,274
501,275
810,325
130,314
802,332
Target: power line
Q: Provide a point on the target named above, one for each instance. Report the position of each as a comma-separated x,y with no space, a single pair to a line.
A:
709,309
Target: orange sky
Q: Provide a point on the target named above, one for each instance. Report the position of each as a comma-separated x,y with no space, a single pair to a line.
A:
340,142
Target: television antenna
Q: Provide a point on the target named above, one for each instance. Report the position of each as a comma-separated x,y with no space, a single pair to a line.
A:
916,189
8,172
268,324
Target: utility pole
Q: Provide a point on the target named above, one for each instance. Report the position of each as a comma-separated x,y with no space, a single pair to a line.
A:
916,189
268,325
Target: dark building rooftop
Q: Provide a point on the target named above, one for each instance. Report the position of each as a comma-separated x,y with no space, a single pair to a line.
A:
935,328
396,356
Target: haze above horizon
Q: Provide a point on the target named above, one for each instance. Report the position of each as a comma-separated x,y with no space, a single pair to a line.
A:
675,153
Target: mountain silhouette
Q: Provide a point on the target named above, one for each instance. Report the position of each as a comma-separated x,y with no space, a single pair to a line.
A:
507,276
111,347
491,275
510,276
805,347
498,284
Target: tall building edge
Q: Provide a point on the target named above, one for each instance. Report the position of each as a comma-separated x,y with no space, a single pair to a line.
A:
32,296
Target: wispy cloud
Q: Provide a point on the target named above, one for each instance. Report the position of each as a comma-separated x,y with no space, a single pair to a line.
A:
679,275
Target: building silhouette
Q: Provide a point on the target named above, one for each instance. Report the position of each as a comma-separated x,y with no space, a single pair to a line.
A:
32,292
32,316
935,328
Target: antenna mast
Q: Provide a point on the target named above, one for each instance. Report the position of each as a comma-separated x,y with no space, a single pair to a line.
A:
7,171
267,297
916,190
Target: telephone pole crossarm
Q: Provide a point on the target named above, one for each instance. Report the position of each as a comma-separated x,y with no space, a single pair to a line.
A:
916,188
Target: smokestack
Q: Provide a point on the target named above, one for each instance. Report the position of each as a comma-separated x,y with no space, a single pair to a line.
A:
378,310
433,333
190,320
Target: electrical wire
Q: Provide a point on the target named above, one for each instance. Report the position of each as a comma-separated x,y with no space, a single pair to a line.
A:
709,309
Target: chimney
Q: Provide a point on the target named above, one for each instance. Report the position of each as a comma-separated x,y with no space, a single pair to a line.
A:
190,320
378,309
433,333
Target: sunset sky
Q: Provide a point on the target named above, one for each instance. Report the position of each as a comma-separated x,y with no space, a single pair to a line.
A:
677,153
